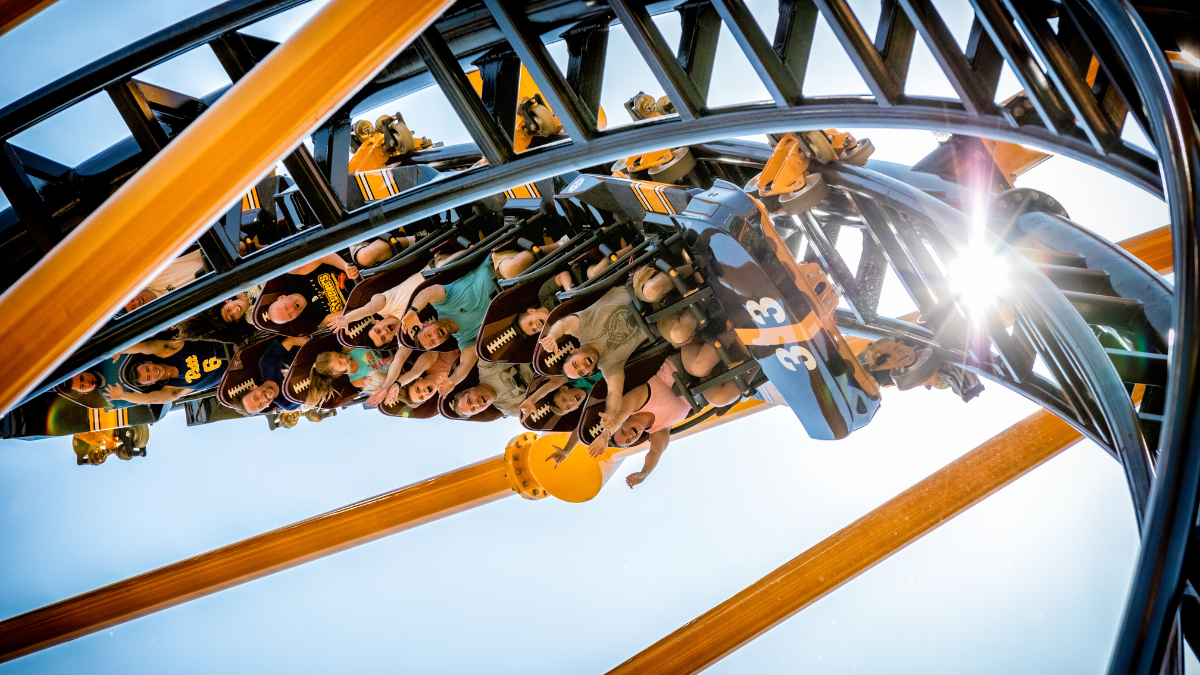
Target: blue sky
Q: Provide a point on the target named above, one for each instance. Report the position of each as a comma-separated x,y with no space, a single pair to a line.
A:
1031,580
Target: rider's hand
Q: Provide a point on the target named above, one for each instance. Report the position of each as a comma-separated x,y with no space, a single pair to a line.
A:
598,446
410,321
558,455
378,397
635,478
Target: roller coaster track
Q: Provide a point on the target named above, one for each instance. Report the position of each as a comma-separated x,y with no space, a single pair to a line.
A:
1099,321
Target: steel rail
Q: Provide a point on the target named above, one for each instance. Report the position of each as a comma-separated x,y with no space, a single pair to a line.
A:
1153,601
196,177
547,161
1036,296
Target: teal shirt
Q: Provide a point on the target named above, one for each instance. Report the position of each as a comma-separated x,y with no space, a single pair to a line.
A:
467,302
586,383
368,360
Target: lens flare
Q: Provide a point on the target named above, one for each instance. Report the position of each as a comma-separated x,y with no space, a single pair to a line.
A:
978,276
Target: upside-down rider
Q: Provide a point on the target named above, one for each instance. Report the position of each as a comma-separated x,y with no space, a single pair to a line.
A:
175,368
462,306
314,292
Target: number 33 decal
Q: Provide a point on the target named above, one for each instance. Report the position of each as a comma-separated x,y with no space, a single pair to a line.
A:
759,310
794,356
790,357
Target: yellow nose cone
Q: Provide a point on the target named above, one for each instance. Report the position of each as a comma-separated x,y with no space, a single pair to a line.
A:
578,478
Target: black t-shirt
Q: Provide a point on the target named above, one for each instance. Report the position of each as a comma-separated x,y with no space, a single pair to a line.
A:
271,365
201,365
325,289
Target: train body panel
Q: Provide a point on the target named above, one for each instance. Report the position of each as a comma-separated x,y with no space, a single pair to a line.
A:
798,351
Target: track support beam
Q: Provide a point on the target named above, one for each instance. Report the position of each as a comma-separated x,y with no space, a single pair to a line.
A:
856,548
195,178
255,557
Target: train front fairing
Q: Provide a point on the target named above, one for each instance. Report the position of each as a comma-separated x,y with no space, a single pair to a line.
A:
781,311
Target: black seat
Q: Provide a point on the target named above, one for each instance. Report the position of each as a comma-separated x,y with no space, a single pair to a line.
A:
243,375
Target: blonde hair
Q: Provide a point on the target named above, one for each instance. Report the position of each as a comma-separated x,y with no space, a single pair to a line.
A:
321,377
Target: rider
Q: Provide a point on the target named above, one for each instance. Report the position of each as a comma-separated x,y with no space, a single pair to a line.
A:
461,306
316,291
272,368
175,367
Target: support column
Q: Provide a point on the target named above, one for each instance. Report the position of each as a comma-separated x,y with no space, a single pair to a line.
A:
195,178
249,559
856,548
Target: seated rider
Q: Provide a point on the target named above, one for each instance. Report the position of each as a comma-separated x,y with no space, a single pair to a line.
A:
366,369
652,408
420,383
605,332
315,291
367,254
389,305
222,323
272,368
175,368
502,385
551,287
651,285
181,271
566,398
608,335
461,306
84,382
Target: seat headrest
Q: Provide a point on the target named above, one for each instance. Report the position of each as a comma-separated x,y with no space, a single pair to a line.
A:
274,288
427,315
422,412
551,363
500,339
543,418
357,333
299,378
638,371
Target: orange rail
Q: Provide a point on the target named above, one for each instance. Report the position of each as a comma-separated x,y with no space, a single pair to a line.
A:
15,12
184,188
255,557
856,548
